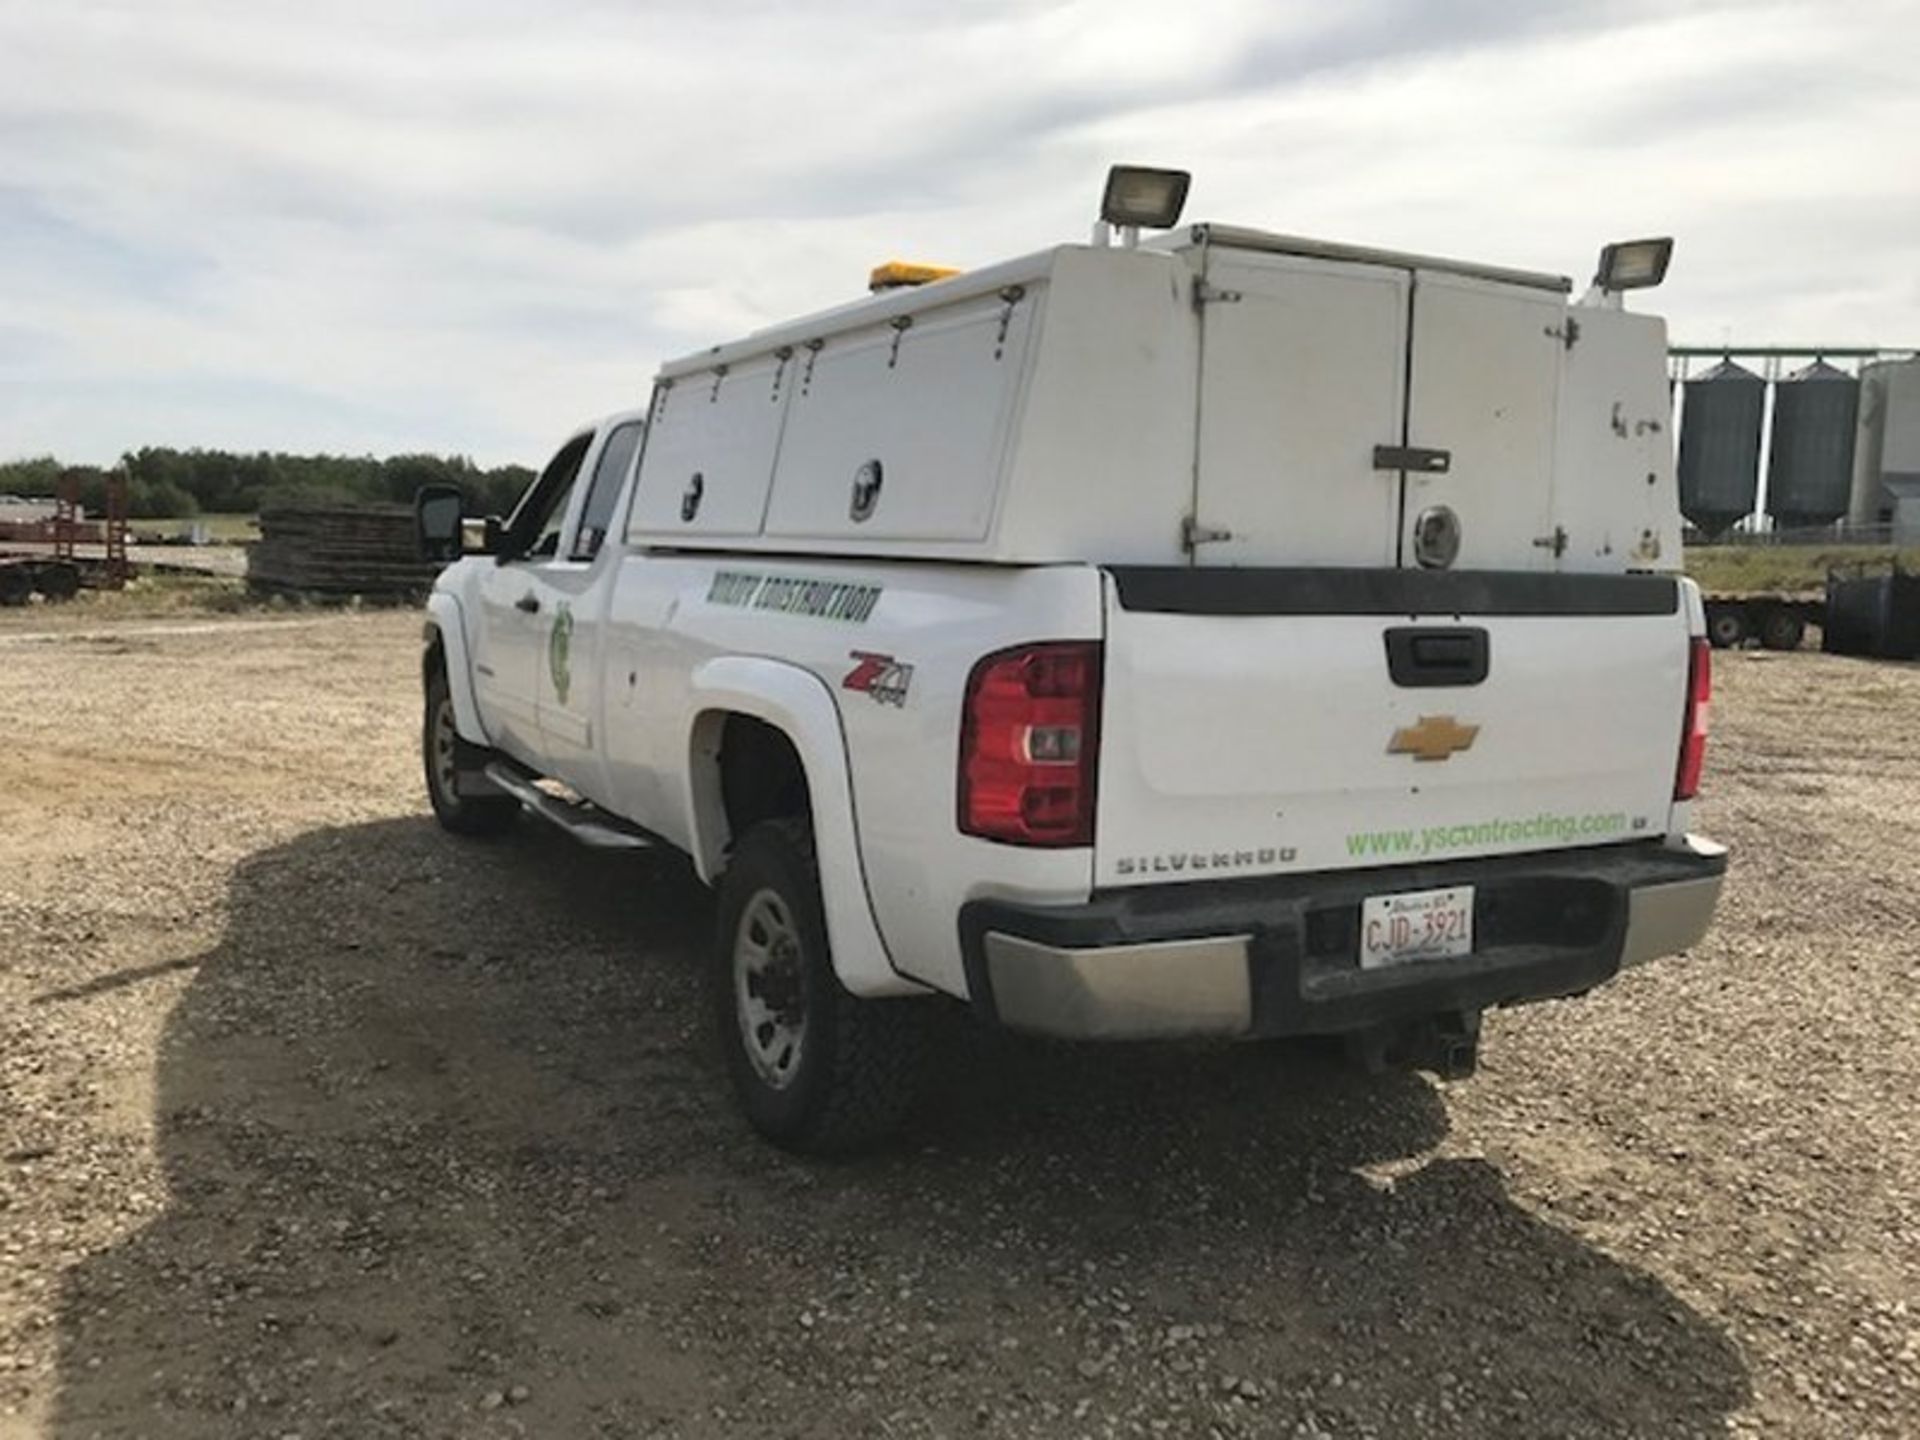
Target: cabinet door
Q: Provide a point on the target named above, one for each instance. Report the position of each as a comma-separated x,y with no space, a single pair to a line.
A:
1303,374
708,460
901,433
1484,385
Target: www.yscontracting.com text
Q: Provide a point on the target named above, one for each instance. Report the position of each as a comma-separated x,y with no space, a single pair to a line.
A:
1439,839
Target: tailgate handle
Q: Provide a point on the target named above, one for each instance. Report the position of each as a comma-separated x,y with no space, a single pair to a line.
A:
1424,655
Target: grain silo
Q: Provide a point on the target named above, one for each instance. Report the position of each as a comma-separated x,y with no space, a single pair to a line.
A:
1720,446
1810,458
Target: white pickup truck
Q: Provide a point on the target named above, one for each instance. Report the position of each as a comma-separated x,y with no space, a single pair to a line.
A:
1221,634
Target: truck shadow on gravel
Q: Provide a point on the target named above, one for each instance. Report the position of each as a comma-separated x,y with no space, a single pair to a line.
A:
448,1153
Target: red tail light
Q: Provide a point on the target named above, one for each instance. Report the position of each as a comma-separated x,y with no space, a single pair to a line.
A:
1030,745
1693,735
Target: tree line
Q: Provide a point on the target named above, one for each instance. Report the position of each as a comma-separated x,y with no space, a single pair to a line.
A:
164,483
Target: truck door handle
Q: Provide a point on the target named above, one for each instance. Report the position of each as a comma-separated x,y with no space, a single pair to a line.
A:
528,602
1423,655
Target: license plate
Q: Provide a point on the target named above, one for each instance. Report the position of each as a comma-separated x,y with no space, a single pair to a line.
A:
1416,925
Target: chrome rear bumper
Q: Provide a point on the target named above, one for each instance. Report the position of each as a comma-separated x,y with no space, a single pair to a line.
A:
1276,957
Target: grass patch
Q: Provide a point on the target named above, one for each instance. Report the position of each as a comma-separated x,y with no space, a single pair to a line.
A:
1781,567
160,595
182,595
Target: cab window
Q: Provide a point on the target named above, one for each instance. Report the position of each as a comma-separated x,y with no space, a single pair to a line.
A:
616,456
535,526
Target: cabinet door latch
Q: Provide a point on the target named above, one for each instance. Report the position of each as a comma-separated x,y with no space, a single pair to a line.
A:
1412,457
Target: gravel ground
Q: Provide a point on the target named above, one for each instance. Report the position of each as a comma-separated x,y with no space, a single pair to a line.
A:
316,1122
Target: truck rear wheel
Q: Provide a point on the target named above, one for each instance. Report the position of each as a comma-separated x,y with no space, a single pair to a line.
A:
446,755
815,1069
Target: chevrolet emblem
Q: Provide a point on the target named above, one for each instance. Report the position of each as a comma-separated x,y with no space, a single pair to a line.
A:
1436,737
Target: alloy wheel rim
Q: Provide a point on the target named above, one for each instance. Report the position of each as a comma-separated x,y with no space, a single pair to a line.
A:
769,995
445,771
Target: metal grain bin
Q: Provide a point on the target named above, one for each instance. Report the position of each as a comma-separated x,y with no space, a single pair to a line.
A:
1720,446
1810,461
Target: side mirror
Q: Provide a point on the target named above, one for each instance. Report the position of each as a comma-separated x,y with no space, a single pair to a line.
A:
436,522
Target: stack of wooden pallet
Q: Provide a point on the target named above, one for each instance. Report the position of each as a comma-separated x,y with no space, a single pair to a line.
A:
338,550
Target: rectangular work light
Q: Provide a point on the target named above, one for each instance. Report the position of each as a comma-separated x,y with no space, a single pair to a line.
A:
1634,264
1148,199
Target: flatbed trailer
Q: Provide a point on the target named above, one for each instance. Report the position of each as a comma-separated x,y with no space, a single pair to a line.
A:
44,557
1778,619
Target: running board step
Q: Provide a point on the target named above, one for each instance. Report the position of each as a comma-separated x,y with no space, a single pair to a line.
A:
586,823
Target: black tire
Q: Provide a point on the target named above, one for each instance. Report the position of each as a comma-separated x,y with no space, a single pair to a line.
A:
851,1067
1782,629
16,585
444,753
1727,626
59,582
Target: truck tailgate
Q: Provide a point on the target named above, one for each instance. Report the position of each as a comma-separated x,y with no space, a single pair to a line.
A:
1262,722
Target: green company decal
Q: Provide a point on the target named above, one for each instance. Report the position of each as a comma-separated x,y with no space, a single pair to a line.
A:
560,652
794,595
1528,829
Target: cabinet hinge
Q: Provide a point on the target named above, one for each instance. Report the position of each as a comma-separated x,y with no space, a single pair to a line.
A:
1206,293
1193,534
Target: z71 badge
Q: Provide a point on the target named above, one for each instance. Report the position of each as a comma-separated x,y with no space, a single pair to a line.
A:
881,676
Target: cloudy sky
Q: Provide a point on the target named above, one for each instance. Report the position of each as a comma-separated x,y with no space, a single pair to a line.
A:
463,225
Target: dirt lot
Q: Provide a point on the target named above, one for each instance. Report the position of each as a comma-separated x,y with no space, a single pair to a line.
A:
315,1122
